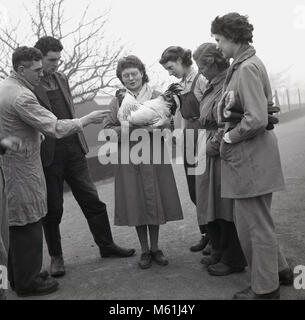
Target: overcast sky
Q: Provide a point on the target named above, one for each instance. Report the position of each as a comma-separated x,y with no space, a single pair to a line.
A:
150,26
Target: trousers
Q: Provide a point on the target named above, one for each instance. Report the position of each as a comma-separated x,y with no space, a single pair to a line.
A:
70,165
256,232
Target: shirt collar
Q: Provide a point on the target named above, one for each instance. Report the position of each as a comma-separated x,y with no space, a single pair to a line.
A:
190,77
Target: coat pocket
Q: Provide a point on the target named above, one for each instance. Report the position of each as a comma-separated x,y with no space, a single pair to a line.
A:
230,152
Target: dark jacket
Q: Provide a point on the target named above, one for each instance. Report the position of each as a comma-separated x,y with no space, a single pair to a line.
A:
48,146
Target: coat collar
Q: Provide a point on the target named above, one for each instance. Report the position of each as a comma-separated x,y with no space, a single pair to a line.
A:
190,77
219,78
215,82
43,97
23,81
245,52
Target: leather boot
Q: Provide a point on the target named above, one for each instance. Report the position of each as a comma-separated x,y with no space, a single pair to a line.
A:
201,244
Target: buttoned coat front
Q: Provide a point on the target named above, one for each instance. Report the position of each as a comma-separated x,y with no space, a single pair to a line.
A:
22,116
251,164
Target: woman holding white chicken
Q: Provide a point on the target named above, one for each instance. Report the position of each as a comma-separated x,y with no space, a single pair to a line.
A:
178,62
146,195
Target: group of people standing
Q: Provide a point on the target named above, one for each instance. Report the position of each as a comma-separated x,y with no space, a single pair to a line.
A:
233,196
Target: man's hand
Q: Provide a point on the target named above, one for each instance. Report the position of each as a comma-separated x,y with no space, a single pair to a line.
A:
95,117
12,143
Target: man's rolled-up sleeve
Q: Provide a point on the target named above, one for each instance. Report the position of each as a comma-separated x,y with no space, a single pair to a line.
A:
35,115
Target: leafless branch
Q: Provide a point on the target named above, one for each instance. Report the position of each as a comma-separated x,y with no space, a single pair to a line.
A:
89,68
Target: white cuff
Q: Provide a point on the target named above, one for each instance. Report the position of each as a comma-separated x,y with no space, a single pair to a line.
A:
226,138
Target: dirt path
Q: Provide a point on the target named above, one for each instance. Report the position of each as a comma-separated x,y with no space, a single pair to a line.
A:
90,277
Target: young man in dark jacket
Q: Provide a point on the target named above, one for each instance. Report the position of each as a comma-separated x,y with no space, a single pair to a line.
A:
64,160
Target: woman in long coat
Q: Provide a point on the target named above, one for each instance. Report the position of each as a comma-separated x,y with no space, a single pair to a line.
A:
146,195
213,211
251,167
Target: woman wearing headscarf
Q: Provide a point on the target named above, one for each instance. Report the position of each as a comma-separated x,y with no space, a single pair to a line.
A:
251,168
146,195
178,62
213,211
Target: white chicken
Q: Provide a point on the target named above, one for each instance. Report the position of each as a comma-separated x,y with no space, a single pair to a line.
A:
155,113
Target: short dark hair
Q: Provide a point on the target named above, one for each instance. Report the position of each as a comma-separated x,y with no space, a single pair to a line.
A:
208,54
233,26
46,44
173,53
131,62
25,56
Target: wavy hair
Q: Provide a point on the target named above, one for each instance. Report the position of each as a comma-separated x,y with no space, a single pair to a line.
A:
131,62
233,26
208,54
173,53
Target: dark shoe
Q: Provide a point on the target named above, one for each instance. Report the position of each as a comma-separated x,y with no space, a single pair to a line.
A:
248,294
210,260
207,250
159,258
44,275
57,268
286,277
145,260
40,288
221,269
2,294
116,251
201,244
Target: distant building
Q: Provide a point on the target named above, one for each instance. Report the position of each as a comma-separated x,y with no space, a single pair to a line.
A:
92,131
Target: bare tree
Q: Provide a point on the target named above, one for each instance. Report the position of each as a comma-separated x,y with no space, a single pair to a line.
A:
280,79
89,60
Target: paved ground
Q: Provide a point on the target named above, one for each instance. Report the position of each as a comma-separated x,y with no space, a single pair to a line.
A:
90,277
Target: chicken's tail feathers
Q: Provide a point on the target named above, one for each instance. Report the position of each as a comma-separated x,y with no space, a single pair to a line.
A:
174,88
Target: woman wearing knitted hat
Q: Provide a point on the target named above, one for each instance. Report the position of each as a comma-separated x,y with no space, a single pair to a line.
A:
217,213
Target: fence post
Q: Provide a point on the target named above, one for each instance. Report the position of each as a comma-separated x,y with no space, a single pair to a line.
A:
288,99
300,101
276,99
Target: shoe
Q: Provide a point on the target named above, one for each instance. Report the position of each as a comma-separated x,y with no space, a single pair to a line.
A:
40,288
159,258
57,268
201,244
44,275
145,260
248,294
221,269
114,250
286,277
2,295
207,250
210,260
